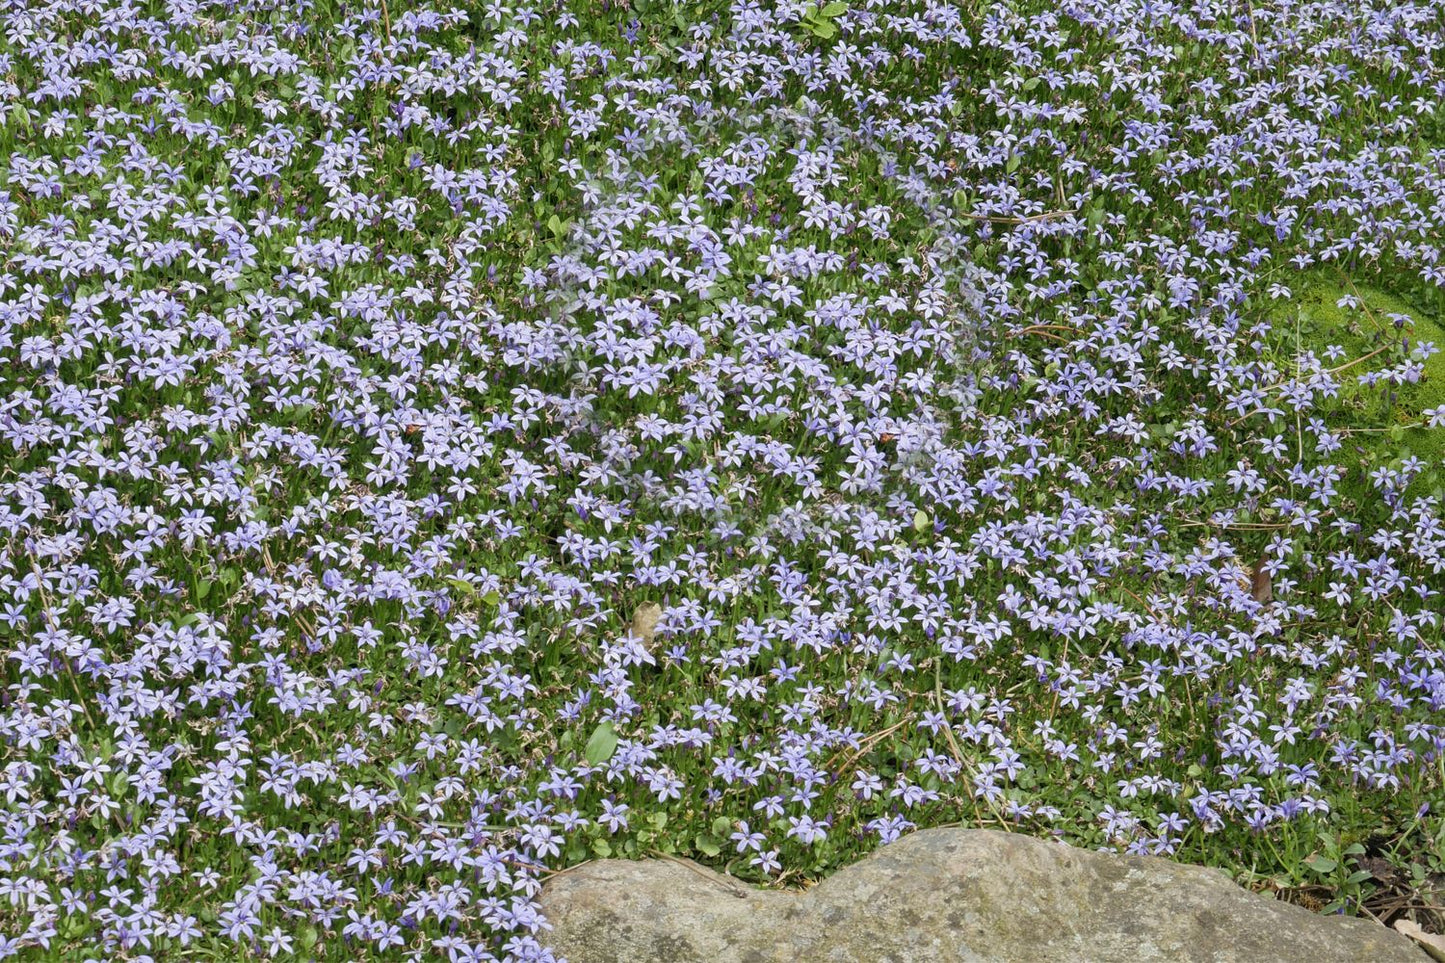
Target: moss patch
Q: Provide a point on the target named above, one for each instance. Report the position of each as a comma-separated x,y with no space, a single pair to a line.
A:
1362,327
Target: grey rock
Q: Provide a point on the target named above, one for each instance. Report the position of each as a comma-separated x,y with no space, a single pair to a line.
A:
955,895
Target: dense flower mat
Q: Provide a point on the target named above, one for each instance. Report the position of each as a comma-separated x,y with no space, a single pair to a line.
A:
442,444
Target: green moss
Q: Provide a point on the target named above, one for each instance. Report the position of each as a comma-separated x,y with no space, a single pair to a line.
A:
1360,330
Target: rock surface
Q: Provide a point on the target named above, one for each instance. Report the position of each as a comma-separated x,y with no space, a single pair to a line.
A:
955,895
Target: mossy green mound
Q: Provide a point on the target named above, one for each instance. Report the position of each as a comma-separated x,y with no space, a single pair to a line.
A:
1357,328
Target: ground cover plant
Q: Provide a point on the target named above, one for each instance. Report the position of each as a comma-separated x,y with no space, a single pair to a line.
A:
443,444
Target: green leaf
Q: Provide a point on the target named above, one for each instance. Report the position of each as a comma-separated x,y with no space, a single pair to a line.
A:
721,827
921,521
835,9
602,847
708,844
462,586
1321,864
203,588
556,225
824,29
601,745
